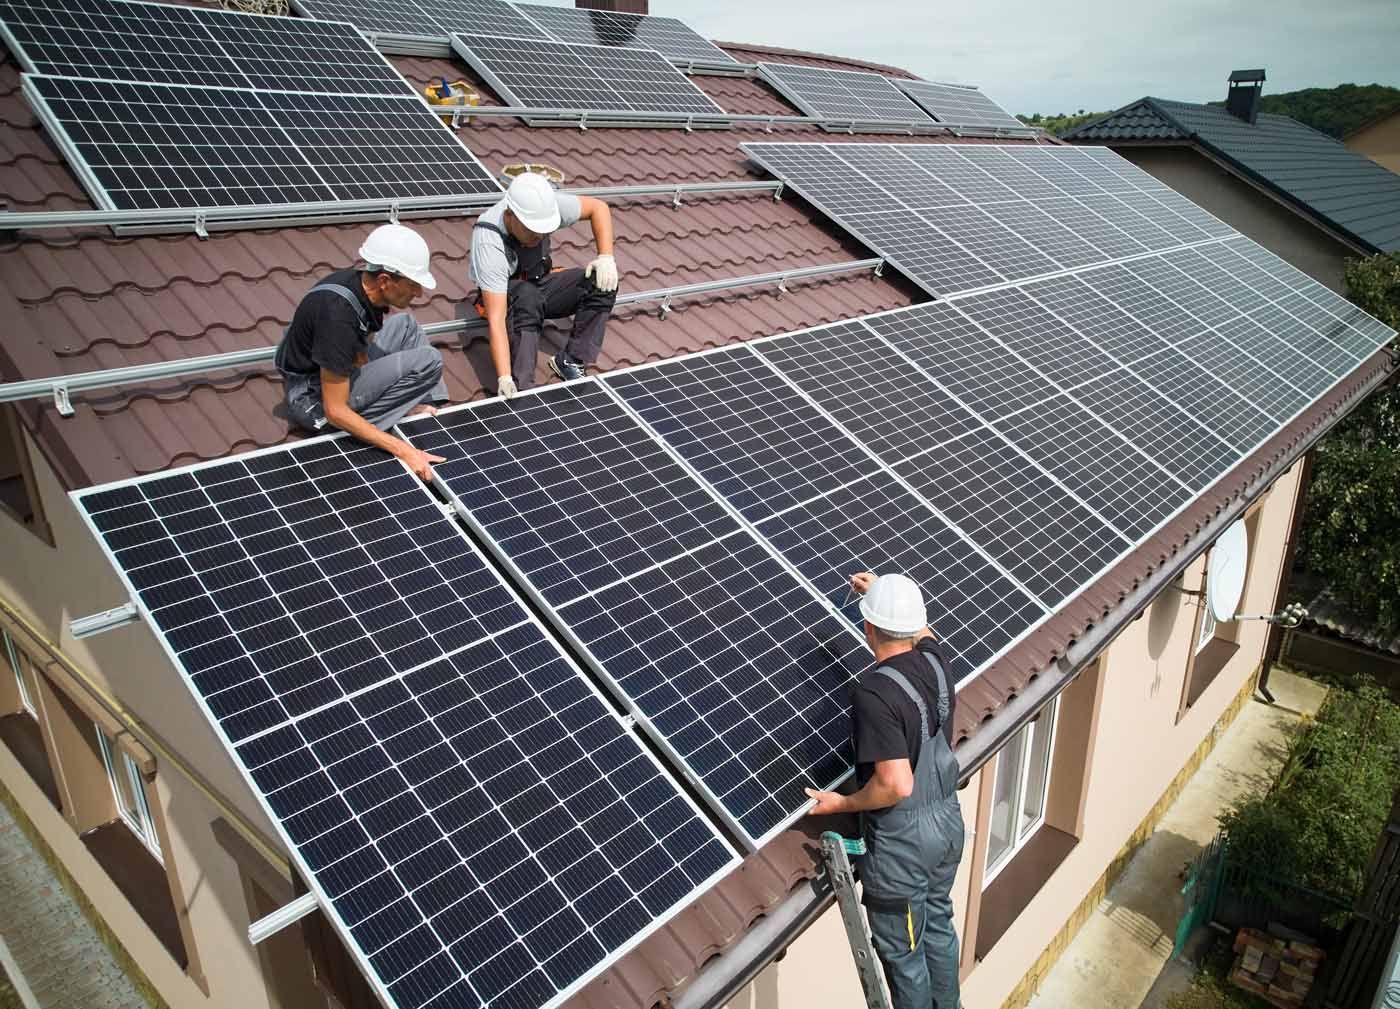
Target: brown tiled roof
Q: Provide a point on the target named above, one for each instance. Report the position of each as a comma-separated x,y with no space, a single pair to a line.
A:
84,300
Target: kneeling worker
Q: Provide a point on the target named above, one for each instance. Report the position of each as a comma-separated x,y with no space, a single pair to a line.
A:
342,363
519,288
902,715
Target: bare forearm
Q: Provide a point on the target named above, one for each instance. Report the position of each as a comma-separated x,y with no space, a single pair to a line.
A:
603,229
875,795
352,423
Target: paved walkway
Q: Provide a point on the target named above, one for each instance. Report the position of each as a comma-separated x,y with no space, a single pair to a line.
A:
61,957
1117,956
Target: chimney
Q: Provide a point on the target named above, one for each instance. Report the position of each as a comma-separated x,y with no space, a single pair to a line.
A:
1242,100
621,6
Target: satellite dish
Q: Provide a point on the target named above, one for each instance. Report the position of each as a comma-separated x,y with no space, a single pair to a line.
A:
1229,561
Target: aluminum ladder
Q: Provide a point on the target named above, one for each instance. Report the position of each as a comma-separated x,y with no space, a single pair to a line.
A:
835,852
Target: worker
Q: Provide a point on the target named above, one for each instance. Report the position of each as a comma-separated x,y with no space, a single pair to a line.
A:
907,778
343,364
518,288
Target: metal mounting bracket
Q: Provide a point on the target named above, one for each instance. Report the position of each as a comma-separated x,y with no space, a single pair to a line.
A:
690,124
769,127
201,223
782,285
61,402
394,212
119,616
288,914
778,193
880,268
676,199
664,309
583,121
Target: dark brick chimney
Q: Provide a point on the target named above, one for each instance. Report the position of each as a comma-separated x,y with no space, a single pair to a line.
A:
622,6
1242,100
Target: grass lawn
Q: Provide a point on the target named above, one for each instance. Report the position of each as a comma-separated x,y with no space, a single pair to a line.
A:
9,998
1211,990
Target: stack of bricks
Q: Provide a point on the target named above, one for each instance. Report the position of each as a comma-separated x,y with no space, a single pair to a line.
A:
1281,970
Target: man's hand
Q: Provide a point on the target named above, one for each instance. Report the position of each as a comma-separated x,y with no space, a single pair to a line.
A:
603,270
505,385
861,582
827,802
420,462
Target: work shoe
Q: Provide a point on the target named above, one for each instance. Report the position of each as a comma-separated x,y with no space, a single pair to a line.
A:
565,368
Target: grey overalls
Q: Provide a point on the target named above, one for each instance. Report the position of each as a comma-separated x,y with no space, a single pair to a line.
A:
403,370
913,851
538,292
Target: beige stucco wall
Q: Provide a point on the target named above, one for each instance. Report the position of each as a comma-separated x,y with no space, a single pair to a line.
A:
1139,749
1379,141
1237,203
73,579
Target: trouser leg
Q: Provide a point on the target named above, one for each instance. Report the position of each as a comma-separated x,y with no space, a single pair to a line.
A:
897,934
524,323
940,938
570,293
403,371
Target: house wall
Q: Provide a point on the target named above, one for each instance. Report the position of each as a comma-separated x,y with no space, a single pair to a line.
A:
51,585
1379,141
1249,211
1137,750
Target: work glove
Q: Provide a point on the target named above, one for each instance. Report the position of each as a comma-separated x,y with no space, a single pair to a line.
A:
603,270
505,385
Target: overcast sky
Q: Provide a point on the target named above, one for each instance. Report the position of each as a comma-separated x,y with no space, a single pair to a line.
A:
1053,56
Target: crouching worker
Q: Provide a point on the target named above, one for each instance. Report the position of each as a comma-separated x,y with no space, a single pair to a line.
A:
342,363
907,777
519,288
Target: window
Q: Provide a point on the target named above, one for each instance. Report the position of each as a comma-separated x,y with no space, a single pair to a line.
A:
1021,783
129,790
12,655
1208,624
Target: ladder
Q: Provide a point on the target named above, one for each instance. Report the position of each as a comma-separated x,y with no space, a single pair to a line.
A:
835,852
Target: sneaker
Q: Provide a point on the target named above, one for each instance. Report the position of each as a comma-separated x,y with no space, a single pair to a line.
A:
565,368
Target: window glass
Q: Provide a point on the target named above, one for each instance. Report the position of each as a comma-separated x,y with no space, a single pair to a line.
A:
1002,830
1037,771
12,657
128,789
1022,781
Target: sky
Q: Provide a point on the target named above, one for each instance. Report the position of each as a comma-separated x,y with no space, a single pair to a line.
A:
1054,56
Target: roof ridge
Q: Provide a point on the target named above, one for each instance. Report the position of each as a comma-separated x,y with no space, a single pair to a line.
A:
881,68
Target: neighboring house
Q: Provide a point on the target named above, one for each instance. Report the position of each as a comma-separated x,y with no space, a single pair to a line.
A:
1333,638
1379,140
1075,741
1298,192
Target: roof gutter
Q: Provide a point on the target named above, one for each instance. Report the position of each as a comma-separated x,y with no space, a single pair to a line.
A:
725,976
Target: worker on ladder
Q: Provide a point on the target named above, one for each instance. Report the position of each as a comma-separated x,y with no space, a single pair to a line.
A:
907,778
518,287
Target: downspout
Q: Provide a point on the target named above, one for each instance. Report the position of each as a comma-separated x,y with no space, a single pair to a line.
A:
726,975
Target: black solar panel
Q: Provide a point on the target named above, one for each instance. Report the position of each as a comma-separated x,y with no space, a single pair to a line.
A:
672,38
436,19
757,441
473,817
544,74
951,103
1108,327
1060,353
728,659
865,384
840,94
148,146
127,40
1016,513
1227,414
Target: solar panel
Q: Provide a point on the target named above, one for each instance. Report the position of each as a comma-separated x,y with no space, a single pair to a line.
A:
1099,320
959,218
1058,351
436,19
1225,413
754,439
826,506
147,146
542,73
672,38
845,95
951,103
1016,513
1103,468
865,384
166,44
472,816
732,664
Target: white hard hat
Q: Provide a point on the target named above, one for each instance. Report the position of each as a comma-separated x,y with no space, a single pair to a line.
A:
531,198
400,250
895,605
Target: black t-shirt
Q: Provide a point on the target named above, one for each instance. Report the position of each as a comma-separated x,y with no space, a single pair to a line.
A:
325,331
886,720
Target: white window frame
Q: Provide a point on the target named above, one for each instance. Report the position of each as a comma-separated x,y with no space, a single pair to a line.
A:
141,823
12,654
1208,624
1022,835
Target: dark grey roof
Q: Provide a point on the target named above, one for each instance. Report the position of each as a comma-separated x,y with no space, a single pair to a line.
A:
1344,190
1246,75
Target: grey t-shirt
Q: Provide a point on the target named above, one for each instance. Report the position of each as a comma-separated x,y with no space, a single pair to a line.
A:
492,263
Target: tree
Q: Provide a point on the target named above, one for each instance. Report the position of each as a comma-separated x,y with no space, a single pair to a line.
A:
1350,534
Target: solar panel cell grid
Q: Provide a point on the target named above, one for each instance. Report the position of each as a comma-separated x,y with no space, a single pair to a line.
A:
1215,279
1247,375
1184,291
753,438
1179,226
1222,411
1037,531
863,382
840,94
999,248
897,175
1100,321
1145,304
1011,172
672,38
952,104
911,243
875,524
1111,241
1020,322
1081,175
1122,211
1042,231
948,165
1118,481
1303,338
1293,366
971,364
